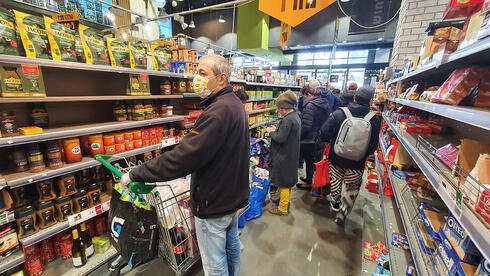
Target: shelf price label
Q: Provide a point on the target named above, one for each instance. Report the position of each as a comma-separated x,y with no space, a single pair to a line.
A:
88,214
455,196
170,141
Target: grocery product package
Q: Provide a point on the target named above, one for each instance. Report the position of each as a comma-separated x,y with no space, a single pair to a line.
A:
94,46
61,40
79,49
24,80
485,27
162,54
462,8
118,52
458,85
447,155
469,151
33,35
483,97
137,54
470,31
479,196
9,36
460,240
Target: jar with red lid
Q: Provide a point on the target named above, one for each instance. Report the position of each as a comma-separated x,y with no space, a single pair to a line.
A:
110,150
153,141
119,138
145,134
120,148
138,144
129,145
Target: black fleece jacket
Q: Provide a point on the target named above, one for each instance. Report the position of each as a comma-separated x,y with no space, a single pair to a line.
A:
315,113
216,152
331,128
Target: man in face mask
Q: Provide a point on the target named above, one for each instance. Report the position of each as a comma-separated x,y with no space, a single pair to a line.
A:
216,152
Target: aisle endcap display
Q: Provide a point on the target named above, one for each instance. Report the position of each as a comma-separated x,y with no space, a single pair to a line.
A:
475,227
65,132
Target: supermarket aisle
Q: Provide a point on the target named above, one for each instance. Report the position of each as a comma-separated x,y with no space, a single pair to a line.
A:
307,242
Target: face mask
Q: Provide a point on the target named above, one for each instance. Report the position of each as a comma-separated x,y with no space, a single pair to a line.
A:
200,85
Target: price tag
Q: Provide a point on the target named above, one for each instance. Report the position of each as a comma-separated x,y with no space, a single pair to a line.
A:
456,197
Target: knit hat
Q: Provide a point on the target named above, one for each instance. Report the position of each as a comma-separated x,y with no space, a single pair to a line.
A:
352,86
364,94
286,100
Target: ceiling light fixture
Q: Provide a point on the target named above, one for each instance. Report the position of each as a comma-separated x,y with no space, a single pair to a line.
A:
184,25
192,25
221,19
174,3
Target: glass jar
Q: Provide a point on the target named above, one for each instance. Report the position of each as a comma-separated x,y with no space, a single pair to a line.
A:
35,158
18,160
53,155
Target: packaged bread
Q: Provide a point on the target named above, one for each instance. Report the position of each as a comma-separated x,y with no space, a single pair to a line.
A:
458,85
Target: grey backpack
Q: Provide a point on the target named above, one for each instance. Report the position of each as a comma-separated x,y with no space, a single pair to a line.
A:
354,135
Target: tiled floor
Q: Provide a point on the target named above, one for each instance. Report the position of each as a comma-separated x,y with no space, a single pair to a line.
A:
307,242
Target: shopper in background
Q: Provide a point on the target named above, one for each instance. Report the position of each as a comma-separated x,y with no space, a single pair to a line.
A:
301,100
333,101
336,92
242,95
216,152
315,113
343,170
285,151
348,95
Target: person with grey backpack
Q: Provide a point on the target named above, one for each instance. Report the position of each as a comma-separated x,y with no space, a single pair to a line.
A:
352,132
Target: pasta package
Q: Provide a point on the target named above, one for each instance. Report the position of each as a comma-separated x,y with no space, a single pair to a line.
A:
137,54
162,55
33,35
94,47
61,40
118,52
9,36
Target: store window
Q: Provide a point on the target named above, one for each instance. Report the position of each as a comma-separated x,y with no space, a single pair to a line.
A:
382,55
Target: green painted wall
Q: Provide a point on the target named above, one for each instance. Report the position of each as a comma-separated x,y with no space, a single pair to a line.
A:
252,27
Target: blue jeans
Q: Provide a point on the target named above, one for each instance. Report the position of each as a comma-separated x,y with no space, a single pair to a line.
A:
219,245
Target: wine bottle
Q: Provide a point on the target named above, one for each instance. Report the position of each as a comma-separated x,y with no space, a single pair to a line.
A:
77,250
87,241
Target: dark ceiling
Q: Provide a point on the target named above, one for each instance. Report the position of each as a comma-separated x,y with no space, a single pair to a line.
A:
191,4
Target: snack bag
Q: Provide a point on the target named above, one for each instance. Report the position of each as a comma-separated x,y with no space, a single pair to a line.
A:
93,46
462,8
162,55
61,40
9,36
137,54
33,35
458,85
118,52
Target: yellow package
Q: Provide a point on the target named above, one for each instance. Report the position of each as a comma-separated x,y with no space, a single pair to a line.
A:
33,35
137,54
118,52
161,53
61,40
94,47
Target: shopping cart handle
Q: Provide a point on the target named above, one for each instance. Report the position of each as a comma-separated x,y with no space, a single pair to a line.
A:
135,187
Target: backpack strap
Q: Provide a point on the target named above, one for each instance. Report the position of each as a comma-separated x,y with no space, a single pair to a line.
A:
369,116
347,112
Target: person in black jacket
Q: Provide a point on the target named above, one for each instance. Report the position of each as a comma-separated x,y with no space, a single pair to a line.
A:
348,96
344,170
315,113
285,151
216,152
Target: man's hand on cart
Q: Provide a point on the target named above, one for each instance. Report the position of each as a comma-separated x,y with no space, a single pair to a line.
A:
125,180
271,128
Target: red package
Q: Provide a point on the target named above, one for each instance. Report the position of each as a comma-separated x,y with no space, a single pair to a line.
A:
47,251
448,155
483,206
458,85
483,99
462,8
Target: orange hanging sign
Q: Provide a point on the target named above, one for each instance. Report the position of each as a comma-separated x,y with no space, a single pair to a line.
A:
293,12
285,34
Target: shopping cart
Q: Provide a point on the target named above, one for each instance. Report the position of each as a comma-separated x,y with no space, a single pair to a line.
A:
178,241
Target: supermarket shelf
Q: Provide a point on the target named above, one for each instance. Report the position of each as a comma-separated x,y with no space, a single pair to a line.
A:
475,228
64,132
191,125
87,98
474,116
190,95
477,53
261,100
25,178
3,183
62,226
65,267
87,67
399,258
261,110
272,85
7,217
262,124
11,261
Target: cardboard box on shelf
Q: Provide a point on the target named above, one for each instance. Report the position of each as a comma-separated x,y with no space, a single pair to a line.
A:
460,241
433,220
424,239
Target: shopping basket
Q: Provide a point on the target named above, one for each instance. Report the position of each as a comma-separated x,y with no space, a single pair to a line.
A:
177,236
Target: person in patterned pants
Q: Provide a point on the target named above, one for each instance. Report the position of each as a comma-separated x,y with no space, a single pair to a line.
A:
344,171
